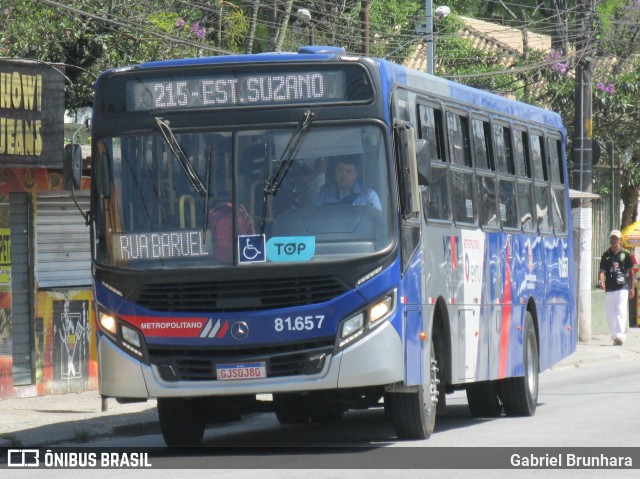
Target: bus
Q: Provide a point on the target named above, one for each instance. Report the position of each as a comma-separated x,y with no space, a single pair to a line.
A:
314,232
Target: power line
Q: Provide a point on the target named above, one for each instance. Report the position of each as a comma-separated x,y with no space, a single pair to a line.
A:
122,23
394,42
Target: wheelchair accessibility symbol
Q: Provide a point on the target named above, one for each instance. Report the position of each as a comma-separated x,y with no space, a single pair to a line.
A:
251,249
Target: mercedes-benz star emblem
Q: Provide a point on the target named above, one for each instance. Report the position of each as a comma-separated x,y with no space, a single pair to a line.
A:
240,330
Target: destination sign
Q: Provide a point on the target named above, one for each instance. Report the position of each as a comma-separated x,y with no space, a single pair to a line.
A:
232,90
154,246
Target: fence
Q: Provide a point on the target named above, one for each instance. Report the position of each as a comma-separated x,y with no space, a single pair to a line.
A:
606,216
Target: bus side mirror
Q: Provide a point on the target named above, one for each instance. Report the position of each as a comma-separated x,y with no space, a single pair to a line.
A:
72,166
407,170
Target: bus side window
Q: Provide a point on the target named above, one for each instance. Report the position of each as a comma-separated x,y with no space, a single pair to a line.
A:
541,189
503,149
459,144
542,208
555,165
521,154
523,172
482,145
558,204
431,129
507,205
462,178
525,206
538,156
462,193
487,195
559,210
435,198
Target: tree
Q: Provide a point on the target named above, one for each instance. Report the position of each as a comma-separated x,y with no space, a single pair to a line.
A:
253,25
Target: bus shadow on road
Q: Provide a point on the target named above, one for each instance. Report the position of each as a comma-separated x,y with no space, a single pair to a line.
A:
357,428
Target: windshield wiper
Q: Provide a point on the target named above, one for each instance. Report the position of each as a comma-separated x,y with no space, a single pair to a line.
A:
205,211
272,184
181,156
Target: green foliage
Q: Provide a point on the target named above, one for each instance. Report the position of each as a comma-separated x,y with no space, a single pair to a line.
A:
235,24
617,25
396,20
165,21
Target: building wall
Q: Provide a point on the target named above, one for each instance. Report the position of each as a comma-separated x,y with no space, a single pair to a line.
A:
62,329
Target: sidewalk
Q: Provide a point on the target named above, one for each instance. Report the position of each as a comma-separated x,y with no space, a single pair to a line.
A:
77,417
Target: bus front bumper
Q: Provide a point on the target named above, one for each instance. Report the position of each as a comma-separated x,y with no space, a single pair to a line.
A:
376,359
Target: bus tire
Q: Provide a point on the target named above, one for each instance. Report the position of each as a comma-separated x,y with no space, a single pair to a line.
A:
414,413
520,394
483,400
181,421
291,409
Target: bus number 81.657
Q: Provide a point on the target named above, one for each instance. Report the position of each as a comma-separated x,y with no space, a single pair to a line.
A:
299,323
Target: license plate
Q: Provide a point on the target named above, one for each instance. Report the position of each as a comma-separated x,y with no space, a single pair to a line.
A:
234,372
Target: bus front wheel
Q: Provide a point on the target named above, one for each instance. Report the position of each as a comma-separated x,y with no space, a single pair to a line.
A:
520,394
414,413
181,421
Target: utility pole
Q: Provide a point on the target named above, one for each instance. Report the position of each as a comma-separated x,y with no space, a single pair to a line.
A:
582,174
364,25
429,35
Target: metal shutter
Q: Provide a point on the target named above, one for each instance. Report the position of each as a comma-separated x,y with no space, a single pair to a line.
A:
21,288
63,250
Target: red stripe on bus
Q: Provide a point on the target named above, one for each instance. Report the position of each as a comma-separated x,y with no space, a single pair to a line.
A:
506,314
223,330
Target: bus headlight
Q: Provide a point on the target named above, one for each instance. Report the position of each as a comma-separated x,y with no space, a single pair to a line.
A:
380,310
352,325
366,319
108,322
130,336
125,336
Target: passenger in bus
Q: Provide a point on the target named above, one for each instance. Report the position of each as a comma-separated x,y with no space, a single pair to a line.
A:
310,176
301,185
542,215
346,189
488,210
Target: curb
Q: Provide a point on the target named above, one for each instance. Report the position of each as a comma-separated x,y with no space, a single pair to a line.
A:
594,354
80,431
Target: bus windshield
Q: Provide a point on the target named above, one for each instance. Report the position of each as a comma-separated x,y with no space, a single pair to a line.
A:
176,199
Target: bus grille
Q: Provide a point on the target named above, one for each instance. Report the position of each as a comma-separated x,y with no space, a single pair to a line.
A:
199,364
245,295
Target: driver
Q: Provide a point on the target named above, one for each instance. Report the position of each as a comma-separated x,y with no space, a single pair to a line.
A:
346,189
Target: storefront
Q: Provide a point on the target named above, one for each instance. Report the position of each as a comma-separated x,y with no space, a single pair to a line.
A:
46,319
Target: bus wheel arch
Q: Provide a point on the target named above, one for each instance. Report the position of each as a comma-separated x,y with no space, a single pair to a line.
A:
441,335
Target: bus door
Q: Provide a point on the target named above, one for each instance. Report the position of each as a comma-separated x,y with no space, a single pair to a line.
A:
497,307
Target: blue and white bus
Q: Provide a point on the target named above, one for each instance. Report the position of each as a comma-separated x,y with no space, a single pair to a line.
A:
223,274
